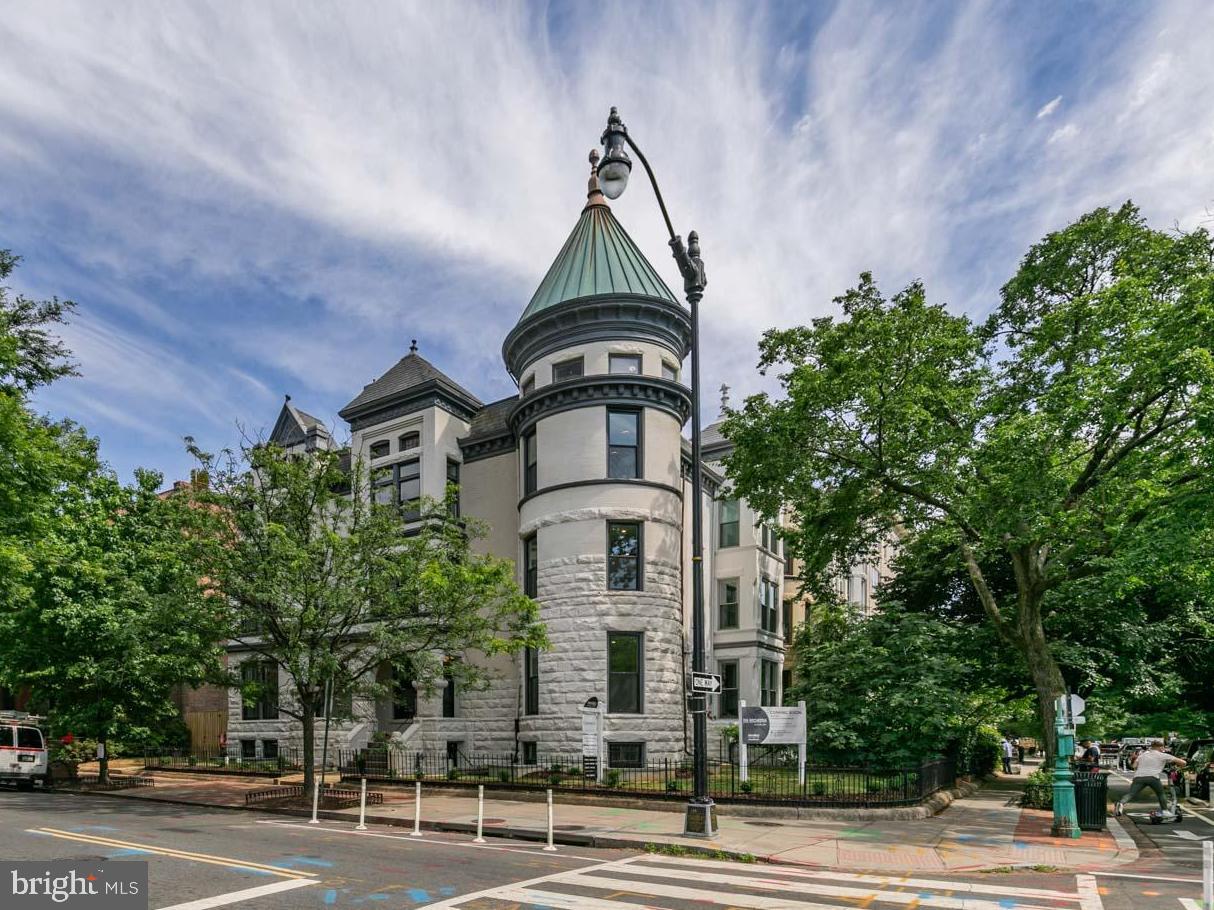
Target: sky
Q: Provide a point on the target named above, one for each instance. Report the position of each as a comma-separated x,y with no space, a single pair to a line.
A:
249,200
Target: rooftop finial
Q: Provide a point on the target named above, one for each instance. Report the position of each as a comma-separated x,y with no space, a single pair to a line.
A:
724,398
413,347
594,194
287,396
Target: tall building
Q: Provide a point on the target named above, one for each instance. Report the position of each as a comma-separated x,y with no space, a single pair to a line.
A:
584,480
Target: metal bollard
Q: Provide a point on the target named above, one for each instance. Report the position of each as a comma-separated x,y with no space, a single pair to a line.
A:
362,808
480,814
1207,874
315,802
551,846
417,811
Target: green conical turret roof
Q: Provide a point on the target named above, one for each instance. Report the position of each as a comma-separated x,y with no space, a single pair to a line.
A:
599,258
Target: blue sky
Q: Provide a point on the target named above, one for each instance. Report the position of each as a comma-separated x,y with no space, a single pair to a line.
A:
249,200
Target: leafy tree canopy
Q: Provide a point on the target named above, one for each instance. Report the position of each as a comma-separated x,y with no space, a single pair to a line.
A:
1041,447
334,589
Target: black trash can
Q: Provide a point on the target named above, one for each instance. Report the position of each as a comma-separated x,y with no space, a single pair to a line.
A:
1092,800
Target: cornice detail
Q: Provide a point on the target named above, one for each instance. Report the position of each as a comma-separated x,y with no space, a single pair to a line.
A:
624,317
591,391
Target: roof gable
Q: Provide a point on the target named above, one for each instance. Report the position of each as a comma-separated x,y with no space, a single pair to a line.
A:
410,379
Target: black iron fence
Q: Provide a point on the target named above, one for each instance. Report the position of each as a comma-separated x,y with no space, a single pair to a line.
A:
283,761
772,779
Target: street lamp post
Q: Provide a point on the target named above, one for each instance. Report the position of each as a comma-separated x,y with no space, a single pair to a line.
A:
613,172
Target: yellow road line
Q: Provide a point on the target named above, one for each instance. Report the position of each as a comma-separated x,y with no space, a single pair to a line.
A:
176,854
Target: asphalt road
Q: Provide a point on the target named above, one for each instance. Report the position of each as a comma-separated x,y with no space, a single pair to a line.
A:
1179,843
201,859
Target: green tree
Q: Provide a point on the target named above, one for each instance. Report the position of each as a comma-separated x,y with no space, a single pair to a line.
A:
1040,445
329,587
116,615
99,613
893,690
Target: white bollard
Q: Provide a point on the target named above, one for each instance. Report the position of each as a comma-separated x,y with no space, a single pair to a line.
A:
551,846
417,811
1207,873
480,814
315,802
362,808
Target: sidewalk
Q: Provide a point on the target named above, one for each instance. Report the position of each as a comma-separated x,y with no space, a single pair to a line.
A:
977,832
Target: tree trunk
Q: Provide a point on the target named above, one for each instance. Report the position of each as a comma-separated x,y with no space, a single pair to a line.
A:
1047,680
309,746
103,761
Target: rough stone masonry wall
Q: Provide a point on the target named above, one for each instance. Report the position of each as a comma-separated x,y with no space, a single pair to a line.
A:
578,612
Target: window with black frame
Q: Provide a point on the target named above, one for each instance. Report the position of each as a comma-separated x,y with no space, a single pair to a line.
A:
261,676
404,695
407,441
380,449
727,529
453,481
769,611
624,564
409,488
769,682
727,605
624,364
567,369
530,463
625,755
531,564
449,694
729,688
623,444
625,669
531,675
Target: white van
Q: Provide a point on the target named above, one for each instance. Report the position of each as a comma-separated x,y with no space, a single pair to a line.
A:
23,756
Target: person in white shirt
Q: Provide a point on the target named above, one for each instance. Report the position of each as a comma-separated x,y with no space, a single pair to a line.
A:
1147,768
1006,748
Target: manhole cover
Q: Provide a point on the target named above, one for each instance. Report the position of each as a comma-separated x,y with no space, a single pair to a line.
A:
568,827
494,821
767,824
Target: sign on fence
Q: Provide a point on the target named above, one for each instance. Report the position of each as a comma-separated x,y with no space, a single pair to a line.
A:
771,726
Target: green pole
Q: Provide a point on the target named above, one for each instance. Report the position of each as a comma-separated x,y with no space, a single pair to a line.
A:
1066,816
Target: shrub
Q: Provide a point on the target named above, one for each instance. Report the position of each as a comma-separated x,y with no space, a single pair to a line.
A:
746,786
1039,790
818,788
454,774
673,786
612,778
503,776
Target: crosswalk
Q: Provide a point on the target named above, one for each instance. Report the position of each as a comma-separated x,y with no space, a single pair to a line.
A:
659,883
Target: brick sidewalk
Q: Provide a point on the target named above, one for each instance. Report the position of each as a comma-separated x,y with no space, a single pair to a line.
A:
977,832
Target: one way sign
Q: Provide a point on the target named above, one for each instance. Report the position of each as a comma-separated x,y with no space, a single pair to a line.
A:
705,682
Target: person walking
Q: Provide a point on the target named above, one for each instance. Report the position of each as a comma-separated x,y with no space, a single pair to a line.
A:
1005,748
1147,767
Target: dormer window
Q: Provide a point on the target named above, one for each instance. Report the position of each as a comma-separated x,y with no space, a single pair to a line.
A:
379,449
670,371
409,441
568,369
625,364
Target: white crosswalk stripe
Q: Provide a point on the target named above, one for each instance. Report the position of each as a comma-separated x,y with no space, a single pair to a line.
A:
632,883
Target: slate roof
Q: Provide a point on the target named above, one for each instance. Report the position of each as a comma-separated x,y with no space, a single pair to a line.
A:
292,425
410,373
712,438
599,258
490,421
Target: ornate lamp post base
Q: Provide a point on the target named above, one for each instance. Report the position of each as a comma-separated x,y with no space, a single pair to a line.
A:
701,819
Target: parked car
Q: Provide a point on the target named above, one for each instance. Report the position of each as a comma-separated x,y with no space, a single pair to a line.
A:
23,755
1199,753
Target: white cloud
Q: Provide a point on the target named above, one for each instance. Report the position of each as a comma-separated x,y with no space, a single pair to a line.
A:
1049,107
373,173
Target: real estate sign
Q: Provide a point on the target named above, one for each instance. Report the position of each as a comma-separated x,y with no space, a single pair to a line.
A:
773,726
